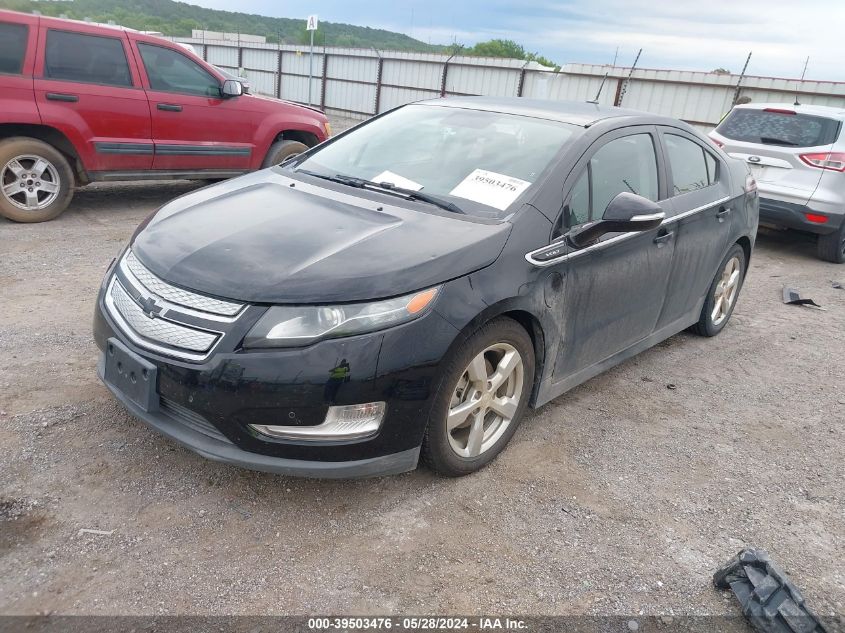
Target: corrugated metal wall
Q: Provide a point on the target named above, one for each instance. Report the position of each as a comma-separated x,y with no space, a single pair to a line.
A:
362,82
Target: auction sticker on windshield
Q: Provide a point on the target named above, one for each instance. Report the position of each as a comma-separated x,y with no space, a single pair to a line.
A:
490,188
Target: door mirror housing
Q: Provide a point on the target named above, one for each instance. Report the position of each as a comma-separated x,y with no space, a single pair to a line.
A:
626,213
232,88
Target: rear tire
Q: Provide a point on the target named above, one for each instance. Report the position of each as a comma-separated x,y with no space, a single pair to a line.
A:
831,247
281,151
722,294
36,179
480,400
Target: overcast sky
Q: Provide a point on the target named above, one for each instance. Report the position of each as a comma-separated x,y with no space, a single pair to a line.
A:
682,34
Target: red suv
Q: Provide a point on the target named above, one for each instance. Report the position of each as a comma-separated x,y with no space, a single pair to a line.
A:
81,103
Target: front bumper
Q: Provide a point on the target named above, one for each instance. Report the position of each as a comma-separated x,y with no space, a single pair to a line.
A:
790,215
208,406
222,450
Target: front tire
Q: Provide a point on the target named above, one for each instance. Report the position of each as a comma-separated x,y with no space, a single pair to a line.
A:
722,294
481,399
280,151
831,247
36,181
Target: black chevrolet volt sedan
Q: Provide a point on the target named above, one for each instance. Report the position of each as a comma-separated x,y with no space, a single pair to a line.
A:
407,289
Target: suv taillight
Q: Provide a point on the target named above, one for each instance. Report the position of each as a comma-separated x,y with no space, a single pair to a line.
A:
835,161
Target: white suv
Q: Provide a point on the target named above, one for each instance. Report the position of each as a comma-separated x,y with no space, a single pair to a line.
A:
797,155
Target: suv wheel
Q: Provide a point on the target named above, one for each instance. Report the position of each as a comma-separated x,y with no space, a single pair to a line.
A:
36,181
831,247
481,399
280,151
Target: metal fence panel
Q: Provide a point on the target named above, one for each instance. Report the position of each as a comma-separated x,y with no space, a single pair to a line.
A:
222,55
351,97
295,88
392,97
353,85
260,59
496,82
352,68
261,82
401,72
298,63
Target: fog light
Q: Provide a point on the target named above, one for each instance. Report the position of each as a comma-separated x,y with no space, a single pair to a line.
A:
350,422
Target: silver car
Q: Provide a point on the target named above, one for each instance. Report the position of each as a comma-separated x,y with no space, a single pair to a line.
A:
797,155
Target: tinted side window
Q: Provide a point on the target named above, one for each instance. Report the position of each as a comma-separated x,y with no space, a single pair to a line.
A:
625,164
712,168
686,158
579,200
87,58
12,47
170,71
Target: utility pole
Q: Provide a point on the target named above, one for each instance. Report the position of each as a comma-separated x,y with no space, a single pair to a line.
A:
311,26
739,81
628,80
798,85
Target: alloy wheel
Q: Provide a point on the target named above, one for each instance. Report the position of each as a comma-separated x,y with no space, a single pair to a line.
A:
485,400
30,182
726,291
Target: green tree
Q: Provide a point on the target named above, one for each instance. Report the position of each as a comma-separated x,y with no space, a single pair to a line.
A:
509,49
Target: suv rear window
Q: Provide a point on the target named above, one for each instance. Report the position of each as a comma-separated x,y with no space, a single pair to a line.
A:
87,58
12,47
778,128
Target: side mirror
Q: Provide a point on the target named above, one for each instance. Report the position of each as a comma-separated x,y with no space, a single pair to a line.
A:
626,213
232,88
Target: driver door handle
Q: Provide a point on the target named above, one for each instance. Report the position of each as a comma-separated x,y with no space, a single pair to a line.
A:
169,107
663,237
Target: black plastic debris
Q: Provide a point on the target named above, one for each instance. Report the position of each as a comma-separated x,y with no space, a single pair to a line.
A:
837,285
769,600
792,297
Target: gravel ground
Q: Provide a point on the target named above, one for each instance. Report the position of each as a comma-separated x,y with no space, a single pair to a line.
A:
620,497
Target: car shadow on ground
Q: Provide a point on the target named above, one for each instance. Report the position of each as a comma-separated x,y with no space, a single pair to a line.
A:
788,242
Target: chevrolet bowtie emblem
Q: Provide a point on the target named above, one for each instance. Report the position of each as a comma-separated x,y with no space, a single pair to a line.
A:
149,306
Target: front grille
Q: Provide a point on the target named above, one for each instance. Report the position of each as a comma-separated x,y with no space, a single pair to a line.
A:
191,419
179,296
156,330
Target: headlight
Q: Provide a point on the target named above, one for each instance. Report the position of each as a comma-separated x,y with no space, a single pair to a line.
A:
295,326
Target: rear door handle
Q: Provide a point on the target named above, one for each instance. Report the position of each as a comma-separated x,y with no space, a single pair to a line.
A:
723,213
169,107
662,238
60,96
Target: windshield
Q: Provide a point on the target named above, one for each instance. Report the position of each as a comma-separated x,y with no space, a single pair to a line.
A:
479,161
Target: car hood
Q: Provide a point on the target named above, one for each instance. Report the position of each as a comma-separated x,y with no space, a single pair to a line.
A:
292,104
266,238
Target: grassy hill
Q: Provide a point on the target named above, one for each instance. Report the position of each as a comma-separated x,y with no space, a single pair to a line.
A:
178,18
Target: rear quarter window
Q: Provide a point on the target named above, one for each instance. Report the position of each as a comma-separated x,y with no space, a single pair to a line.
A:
693,167
86,58
779,128
12,47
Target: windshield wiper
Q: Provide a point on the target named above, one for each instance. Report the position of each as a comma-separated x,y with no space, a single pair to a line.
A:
410,194
769,140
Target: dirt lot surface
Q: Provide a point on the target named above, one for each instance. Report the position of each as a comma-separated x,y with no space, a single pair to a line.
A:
620,497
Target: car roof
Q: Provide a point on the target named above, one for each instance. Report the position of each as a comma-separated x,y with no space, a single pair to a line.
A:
579,113
817,110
